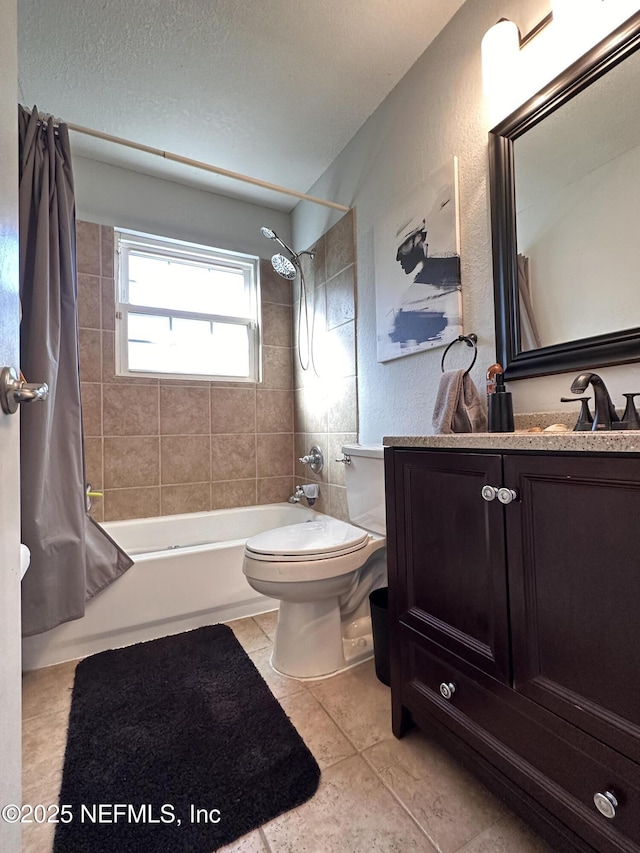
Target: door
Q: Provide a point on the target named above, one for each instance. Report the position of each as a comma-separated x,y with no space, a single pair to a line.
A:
574,582
10,681
450,555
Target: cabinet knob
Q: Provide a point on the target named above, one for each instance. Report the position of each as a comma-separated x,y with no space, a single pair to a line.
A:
505,496
606,804
489,493
447,690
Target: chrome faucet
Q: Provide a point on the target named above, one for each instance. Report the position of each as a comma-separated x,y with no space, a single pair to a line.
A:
310,493
605,412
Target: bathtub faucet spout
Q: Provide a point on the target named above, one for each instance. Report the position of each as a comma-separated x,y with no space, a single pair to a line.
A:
310,492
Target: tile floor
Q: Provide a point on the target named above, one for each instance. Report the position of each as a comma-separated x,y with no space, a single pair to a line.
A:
376,793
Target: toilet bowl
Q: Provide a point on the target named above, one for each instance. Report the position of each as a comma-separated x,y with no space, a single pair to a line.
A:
322,572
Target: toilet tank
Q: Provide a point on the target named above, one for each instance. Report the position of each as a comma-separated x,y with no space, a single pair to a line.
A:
365,486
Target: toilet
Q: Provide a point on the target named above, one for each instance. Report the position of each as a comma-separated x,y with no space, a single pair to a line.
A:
322,572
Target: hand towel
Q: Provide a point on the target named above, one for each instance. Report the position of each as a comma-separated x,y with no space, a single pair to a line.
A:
458,407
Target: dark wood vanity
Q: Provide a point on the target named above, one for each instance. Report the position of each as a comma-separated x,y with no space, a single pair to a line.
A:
515,627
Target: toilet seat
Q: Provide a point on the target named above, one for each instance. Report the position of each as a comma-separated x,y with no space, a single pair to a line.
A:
309,540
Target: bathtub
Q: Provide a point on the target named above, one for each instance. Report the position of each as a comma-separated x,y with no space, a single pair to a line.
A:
187,573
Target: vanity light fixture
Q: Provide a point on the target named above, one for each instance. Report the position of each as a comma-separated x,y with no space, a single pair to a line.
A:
511,75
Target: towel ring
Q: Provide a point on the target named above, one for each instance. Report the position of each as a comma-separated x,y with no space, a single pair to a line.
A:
471,341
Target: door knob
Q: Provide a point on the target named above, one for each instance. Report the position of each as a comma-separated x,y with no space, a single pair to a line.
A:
489,493
505,496
14,391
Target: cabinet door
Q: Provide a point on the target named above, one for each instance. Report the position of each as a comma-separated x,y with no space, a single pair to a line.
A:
574,580
450,560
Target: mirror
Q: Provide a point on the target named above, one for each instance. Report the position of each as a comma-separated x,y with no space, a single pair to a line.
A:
565,211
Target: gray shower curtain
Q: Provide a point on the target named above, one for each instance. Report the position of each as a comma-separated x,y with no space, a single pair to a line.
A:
72,558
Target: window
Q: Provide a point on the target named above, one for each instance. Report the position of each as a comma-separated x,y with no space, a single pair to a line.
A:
186,311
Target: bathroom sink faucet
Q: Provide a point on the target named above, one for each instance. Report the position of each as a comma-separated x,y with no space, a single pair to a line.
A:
605,412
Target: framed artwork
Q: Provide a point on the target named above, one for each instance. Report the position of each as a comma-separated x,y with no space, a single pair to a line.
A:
417,269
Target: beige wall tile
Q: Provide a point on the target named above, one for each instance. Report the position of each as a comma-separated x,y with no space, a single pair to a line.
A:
311,409
130,461
90,349
304,441
93,461
340,292
106,247
233,410
273,490
343,406
233,457
340,246
275,455
87,248
185,458
89,302
191,497
92,408
276,325
341,350
232,493
274,411
130,409
131,503
337,469
277,368
97,509
108,303
273,287
184,410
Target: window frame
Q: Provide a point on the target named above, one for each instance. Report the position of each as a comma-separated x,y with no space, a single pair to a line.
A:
125,241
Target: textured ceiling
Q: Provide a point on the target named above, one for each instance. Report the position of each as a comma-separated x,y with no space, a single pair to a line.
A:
270,88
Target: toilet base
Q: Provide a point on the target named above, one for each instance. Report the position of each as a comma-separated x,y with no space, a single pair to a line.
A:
309,640
354,655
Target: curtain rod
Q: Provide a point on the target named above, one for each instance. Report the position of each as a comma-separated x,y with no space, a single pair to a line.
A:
177,158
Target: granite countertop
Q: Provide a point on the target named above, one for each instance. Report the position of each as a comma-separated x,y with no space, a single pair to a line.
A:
616,441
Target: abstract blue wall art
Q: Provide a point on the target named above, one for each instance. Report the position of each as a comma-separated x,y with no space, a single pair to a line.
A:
417,269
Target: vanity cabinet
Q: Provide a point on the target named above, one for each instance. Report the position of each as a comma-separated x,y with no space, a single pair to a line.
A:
515,628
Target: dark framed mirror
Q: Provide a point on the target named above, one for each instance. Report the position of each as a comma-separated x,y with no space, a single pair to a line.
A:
565,217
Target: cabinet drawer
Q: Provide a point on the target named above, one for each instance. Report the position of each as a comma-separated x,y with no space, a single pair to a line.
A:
563,767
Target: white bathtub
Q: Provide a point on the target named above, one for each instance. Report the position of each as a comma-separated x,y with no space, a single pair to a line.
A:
187,573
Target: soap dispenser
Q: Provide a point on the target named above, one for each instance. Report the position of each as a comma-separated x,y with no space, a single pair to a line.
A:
500,407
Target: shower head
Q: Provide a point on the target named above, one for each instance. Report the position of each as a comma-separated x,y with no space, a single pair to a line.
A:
284,267
271,235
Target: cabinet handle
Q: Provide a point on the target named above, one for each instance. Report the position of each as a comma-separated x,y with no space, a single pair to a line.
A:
606,804
505,496
489,493
447,690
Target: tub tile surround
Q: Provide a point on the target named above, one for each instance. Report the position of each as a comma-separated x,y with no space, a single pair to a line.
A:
325,395
376,793
149,437
165,446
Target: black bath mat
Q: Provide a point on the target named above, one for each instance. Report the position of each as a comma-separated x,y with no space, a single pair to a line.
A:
176,745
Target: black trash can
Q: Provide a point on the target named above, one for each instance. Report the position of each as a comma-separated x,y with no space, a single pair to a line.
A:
379,603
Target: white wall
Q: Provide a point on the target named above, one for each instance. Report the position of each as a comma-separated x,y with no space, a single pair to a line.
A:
436,111
114,196
10,680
